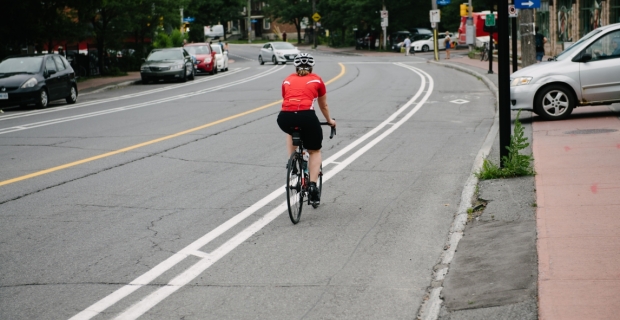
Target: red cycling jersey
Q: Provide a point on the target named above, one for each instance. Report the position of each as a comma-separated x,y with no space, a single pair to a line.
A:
300,93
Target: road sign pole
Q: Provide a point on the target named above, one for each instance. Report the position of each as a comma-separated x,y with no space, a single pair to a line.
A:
314,24
503,78
513,23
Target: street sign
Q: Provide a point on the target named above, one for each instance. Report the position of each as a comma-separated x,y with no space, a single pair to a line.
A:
443,2
529,4
433,25
384,14
512,11
435,16
316,16
384,22
490,20
189,19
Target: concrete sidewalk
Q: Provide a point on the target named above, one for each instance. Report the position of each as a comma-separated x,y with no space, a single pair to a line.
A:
577,210
102,83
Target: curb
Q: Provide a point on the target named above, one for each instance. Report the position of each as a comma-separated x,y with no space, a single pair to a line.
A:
110,87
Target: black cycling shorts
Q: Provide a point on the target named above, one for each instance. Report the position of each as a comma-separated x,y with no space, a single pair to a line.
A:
311,131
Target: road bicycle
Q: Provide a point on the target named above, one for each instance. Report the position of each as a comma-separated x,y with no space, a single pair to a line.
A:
484,56
298,177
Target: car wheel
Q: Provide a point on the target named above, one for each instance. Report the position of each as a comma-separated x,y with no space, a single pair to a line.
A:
72,98
273,59
260,60
184,78
425,48
554,102
193,75
43,99
145,80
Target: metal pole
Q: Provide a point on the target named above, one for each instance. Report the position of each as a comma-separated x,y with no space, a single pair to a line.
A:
470,22
503,79
384,31
491,50
435,42
249,21
515,65
313,25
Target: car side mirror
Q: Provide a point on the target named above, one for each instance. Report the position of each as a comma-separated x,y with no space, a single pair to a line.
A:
586,57
143,60
50,72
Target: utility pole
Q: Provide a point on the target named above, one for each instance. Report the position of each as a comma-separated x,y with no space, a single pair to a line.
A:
528,46
313,25
435,42
503,78
249,21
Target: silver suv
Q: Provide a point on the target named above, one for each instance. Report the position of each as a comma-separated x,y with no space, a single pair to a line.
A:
585,74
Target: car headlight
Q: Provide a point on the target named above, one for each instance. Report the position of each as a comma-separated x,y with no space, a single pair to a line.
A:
520,81
278,53
30,83
177,67
144,68
208,60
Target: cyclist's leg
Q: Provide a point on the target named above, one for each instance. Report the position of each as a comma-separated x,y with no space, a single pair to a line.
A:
314,164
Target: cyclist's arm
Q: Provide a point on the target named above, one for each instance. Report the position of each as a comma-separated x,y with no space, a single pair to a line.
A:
325,110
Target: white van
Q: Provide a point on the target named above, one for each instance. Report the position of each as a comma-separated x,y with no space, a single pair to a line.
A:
214,31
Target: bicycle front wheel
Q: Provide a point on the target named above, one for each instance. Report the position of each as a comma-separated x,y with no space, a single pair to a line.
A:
294,188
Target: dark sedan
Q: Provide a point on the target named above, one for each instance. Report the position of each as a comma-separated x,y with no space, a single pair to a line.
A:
168,64
36,79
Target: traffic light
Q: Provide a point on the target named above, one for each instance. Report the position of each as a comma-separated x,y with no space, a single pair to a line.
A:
464,10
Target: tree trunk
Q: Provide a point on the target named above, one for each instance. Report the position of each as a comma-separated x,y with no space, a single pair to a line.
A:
528,43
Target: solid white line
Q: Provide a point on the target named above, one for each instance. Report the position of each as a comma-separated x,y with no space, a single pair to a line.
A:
134,106
154,298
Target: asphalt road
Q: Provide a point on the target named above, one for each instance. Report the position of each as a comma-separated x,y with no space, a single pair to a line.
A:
165,201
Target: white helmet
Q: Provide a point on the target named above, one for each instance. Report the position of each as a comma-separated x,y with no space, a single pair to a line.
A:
303,59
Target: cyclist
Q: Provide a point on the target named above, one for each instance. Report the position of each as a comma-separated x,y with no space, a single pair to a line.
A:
300,91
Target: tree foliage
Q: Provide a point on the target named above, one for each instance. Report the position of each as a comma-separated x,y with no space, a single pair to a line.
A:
290,11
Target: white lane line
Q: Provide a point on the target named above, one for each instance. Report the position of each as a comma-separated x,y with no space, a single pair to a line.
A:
148,302
134,106
123,97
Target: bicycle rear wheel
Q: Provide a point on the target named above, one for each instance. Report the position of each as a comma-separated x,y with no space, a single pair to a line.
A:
294,188
319,185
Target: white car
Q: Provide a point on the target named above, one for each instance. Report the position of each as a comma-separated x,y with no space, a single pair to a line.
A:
277,52
585,74
221,57
428,44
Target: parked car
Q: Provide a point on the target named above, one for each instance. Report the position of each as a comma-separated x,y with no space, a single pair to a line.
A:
221,58
428,43
167,64
398,37
36,79
585,74
413,39
205,57
277,52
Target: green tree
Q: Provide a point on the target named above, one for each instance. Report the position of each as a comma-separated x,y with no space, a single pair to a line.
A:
212,12
289,11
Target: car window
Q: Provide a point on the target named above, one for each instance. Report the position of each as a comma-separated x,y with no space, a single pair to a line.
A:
50,65
607,47
59,64
65,61
283,45
198,49
217,48
21,64
570,50
266,46
165,55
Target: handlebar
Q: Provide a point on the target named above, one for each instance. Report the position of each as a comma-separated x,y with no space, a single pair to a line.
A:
333,132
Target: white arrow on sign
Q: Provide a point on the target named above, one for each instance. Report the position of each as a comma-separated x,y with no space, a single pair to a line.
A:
529,3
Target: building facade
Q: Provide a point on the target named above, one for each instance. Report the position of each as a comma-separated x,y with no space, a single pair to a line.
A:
566,21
